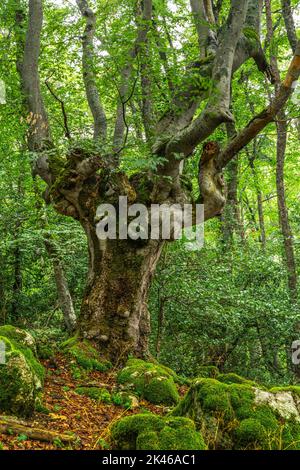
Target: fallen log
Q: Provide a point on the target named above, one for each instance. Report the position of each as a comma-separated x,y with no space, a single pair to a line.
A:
9,425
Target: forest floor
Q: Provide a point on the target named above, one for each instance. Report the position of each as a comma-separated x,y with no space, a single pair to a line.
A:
68,412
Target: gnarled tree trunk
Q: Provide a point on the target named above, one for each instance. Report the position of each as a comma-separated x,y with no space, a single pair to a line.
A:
114,310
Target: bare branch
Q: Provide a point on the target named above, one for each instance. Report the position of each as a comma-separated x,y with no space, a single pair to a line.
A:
63,110
93,97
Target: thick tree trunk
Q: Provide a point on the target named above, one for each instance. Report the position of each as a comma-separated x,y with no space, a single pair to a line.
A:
114,310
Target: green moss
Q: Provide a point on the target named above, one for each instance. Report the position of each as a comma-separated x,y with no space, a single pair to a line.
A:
232,378
96,393
122,399
153,382
252,36
208,372
151,432
291,388
147,441
22,337
70,342
44,351
290,436
250,432
21,376
85,354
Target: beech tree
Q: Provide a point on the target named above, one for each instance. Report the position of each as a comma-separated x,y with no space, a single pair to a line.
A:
114,313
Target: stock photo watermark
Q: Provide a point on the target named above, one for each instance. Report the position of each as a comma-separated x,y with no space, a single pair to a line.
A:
2,352
296,352
157,222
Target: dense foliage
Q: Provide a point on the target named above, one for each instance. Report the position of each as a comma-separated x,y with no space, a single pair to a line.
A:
226,305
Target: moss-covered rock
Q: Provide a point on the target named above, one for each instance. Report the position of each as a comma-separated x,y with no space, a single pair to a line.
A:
85,354
154,382
22,337
242,416
232,378
152,432
21,374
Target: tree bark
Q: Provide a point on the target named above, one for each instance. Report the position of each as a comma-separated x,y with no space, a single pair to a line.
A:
64,296
114,310
232,215
282,208
259,196
92,93
282,129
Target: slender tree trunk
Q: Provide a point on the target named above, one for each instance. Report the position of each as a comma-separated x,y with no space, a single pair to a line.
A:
232,216
261,219
282,129
114,311
2,292
259,195
18,280
64,296
160,325
282,208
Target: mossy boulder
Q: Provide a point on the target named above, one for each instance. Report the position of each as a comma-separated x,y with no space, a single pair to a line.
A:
243,416
21,374
152,432
232,378
154,382
85,354
22,337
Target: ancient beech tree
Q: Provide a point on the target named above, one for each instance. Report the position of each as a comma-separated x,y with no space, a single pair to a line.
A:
114,312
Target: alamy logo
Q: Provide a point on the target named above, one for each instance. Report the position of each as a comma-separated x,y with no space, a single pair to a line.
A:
296,95
155,222
2,92
2,352
296,352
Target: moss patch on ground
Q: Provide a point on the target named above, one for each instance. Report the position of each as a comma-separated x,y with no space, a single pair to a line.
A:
85,355
154,382
101,394
152,432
